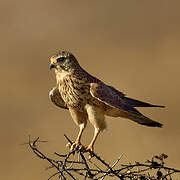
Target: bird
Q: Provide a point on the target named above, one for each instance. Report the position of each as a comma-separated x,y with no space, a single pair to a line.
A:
88,98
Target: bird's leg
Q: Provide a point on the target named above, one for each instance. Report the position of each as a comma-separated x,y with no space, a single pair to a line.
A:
80,118
78,139
90,148
97,119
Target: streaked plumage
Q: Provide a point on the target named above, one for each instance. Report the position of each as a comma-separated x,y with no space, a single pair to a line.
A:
87,97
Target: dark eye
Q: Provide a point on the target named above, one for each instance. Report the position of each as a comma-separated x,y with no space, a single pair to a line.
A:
60,59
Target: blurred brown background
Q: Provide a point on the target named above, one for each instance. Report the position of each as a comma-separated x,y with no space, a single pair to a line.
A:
132,45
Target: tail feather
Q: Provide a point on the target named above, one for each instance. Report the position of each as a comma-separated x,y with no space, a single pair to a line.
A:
137,103
143,120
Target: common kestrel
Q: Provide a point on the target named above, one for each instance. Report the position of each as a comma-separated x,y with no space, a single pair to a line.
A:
87,97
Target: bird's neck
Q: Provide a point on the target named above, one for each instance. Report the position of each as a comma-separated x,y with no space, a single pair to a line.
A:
76,72
61,75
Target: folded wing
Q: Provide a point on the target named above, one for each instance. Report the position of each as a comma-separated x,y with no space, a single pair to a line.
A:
112,97
56,98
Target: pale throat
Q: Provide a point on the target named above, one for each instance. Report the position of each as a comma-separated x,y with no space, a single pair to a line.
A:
61,75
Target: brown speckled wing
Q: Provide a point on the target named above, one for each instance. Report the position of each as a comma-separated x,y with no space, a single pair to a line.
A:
114,98
56,98
108,95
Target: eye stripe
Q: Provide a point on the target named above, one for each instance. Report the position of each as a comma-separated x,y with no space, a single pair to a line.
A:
60,59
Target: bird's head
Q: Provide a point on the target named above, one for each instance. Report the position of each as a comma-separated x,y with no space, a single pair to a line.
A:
63,60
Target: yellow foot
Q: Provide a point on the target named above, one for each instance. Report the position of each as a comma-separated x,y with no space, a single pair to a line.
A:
88,149
75,145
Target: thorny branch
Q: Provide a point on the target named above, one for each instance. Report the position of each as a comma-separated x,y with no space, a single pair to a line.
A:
75,165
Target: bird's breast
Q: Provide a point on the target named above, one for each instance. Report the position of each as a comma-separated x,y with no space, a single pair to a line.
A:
74,91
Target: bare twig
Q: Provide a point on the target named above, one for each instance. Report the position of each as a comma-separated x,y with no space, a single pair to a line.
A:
69,168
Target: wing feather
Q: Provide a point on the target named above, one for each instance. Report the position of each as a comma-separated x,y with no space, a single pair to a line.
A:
107,94
114,98
56,98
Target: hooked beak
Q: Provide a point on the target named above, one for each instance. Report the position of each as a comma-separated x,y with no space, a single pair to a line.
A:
52,66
